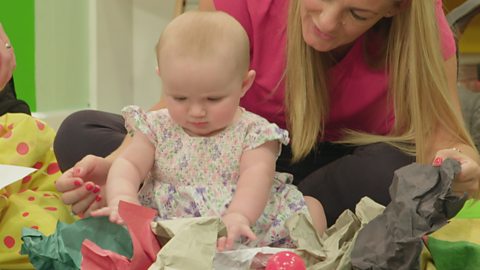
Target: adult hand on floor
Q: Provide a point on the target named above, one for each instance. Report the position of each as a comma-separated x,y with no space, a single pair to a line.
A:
7,59
82,184
468,179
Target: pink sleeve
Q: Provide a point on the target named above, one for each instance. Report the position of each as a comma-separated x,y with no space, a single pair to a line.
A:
265,23
446,36
237,9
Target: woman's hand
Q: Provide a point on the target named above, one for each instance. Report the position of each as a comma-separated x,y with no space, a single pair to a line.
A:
467,181
82,185
237,225
7,59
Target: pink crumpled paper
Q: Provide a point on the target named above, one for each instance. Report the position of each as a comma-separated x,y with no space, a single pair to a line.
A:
145,244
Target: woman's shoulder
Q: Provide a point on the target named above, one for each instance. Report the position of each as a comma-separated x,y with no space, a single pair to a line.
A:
250,7
445,33
253,14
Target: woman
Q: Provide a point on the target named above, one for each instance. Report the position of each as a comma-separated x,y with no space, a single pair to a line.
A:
369,86
7,59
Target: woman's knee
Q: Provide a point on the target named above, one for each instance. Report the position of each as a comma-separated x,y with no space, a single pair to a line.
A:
368,171
87,132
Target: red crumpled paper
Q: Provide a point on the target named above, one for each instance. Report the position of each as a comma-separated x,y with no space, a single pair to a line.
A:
145,244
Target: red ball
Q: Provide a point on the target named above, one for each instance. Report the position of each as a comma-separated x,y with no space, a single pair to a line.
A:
285,260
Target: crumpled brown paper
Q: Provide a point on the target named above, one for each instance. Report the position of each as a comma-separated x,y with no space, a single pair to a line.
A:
187,243
190,243
422,202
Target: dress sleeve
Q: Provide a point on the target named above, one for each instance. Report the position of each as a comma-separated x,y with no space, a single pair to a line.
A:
261,131
447,40
138,120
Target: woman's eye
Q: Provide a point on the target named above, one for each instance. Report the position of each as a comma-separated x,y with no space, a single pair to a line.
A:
356,16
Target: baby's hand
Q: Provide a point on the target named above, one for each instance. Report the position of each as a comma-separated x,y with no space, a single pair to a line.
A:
112,209
237,225
111,212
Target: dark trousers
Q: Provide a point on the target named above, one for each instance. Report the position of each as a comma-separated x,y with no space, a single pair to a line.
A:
337,175
340,176
9,103
87,132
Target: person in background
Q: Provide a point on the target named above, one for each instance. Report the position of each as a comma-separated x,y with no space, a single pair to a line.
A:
364,87
7,59
33,201
8,97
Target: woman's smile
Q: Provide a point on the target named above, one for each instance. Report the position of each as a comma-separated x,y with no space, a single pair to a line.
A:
322,34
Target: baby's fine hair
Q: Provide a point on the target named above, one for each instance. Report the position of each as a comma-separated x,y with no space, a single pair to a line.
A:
204,35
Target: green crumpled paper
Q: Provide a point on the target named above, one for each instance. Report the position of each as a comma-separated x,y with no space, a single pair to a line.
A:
190,243
62,249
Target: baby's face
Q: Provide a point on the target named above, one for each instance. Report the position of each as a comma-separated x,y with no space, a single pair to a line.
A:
202,96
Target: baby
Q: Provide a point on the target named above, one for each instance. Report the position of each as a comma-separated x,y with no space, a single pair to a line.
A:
204,155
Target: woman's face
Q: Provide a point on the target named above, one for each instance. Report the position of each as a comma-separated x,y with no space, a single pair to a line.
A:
330,24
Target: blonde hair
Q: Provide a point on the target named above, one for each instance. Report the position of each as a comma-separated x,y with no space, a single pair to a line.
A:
204,35
417,85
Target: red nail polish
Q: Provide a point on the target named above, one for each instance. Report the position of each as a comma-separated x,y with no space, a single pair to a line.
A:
89,186
96,189
98,198
77,183
437,161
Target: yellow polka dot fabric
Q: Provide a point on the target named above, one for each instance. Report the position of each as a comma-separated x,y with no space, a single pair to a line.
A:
32,201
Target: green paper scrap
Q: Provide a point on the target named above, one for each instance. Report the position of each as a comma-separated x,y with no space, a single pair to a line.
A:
62,249
43,252
454,255
471,209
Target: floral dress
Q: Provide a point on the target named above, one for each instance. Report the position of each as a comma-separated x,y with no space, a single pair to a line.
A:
197,176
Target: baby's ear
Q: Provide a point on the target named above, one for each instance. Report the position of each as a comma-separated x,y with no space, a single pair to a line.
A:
157,70
248,81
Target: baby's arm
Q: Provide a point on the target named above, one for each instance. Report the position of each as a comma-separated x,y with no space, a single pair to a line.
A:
257,169
126,175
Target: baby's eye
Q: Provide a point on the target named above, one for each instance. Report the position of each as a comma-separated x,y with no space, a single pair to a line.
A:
179,98
214,98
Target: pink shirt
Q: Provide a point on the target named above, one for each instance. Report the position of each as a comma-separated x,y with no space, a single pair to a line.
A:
358,96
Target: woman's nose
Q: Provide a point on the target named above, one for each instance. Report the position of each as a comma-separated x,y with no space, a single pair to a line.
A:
329,19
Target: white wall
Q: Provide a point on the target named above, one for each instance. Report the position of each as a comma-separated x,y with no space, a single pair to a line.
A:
149,19
97,54
61,44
